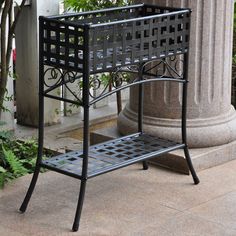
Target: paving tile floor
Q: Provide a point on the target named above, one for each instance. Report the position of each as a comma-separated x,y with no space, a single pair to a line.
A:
126,202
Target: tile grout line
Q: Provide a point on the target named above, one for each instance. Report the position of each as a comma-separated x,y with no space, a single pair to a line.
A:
211,221
219,196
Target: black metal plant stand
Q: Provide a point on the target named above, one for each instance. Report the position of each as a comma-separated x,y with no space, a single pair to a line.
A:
74,47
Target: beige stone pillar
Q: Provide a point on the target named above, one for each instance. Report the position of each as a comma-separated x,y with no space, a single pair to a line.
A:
211,118
27,31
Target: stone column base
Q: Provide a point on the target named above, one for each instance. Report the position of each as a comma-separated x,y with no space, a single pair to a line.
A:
202,158
202,133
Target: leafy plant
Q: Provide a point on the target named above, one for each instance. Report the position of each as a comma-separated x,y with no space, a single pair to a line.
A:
234,59
2,176
17,157
5,135
234,17
16,167
105,78
7,28
11,167
88,5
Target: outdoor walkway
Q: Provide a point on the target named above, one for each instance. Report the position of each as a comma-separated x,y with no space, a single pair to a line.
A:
126,202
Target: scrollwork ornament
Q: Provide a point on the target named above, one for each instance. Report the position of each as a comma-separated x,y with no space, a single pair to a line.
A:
117,80
52,77
96,84
71,76
174,67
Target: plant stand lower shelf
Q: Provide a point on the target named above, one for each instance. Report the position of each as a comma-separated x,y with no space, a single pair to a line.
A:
111,155
135,45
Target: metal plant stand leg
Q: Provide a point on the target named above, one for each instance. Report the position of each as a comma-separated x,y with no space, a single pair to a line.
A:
30,190
140,108
145,165
190,166
40,131
38,163
79,206
85,165
39,158
184,119
85,135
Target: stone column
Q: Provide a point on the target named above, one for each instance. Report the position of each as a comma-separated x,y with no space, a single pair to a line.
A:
27,65
211,118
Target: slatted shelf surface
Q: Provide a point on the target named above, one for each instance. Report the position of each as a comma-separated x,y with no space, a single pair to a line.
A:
111,155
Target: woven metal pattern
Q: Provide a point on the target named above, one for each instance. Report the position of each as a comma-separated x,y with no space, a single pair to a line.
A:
62,44
110,154
138,41
116,37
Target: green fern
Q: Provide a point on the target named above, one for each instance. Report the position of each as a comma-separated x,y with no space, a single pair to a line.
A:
15,165
2,170
2,176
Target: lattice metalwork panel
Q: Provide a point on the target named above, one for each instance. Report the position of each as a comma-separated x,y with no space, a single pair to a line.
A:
105,16
138,41
110,154
118,37
62,44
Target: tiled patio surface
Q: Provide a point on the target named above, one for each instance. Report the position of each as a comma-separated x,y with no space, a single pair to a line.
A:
126,202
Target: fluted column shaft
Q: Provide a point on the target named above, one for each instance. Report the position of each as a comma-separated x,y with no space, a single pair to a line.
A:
211,118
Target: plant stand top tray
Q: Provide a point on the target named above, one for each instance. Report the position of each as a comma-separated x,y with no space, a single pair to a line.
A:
114,37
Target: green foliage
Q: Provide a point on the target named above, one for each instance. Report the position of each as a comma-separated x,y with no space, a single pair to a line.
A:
6,98
105,78
26,151
2,176
234,17
16,167
88,5
17,157
10,167
4,135
234,59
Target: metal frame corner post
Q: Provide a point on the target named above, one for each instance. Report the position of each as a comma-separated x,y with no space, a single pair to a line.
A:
86,105
140,106
184,120
40,122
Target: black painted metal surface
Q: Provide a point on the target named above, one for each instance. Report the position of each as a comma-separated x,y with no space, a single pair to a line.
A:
116,37
112,155
147,41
